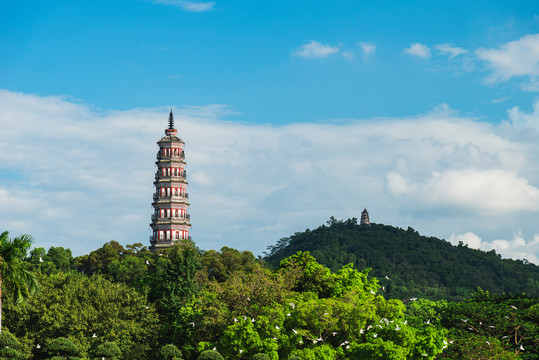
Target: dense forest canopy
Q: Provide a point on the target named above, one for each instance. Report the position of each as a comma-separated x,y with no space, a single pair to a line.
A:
185,303
409,264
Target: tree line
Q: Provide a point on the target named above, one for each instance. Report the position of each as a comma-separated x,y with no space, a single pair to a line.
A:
185,303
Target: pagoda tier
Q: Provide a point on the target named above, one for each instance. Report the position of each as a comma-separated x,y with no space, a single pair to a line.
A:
170,220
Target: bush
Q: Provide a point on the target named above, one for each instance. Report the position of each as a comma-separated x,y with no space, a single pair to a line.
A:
260,356
294,357
61,347
108,350
10,348
210,355
169,352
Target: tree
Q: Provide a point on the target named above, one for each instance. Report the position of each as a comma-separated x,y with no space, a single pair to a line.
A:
10,347
14,277
169,352
89,311
108,351
62,347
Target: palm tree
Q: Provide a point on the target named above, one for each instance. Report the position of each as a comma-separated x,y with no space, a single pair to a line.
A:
14,278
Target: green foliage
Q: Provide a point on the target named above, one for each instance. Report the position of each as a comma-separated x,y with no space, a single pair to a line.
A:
493,324
15,279
210,355
416,266
88,310
108,351
10,347
304,309
62,347
169,352
219,266
228,300
260,356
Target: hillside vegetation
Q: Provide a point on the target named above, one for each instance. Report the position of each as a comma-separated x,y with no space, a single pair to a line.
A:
409,265
183,303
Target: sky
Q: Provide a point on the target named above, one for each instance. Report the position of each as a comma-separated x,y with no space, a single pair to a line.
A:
425,113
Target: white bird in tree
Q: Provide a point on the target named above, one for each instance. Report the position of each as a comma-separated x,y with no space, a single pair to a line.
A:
334,333
514,307
413,299
241,351
361,331
397,328
253,320
214,348
94,335
277,327
192,324
235,320
147,262
293,305
387,277
38,346
295,331
521,347
40,259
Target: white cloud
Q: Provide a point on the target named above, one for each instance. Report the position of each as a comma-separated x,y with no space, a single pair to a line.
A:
193,6
313,50
77,178
418,50
519,58
451,50
368,48
516,248
492,191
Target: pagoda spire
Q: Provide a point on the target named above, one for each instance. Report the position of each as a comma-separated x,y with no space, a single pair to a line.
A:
171,120
170,221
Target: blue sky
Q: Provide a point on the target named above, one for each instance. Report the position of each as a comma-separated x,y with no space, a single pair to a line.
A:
424,112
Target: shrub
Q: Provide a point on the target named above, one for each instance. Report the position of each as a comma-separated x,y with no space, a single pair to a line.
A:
108,350
169,352
210,355
10,348
61,347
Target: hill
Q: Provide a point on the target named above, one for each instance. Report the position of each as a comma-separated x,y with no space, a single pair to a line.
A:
410,265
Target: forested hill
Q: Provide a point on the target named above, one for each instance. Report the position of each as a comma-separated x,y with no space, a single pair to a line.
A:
409,265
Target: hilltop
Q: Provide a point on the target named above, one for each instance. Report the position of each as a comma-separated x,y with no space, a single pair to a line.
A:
408,264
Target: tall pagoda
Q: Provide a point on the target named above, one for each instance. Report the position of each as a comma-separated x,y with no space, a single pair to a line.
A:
170,220
365,217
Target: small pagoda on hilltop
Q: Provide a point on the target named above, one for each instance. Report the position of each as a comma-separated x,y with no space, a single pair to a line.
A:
365,218
170,220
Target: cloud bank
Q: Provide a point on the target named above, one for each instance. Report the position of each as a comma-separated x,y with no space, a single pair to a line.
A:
77,178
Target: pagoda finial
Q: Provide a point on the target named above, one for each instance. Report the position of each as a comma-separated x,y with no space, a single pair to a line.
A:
171,121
